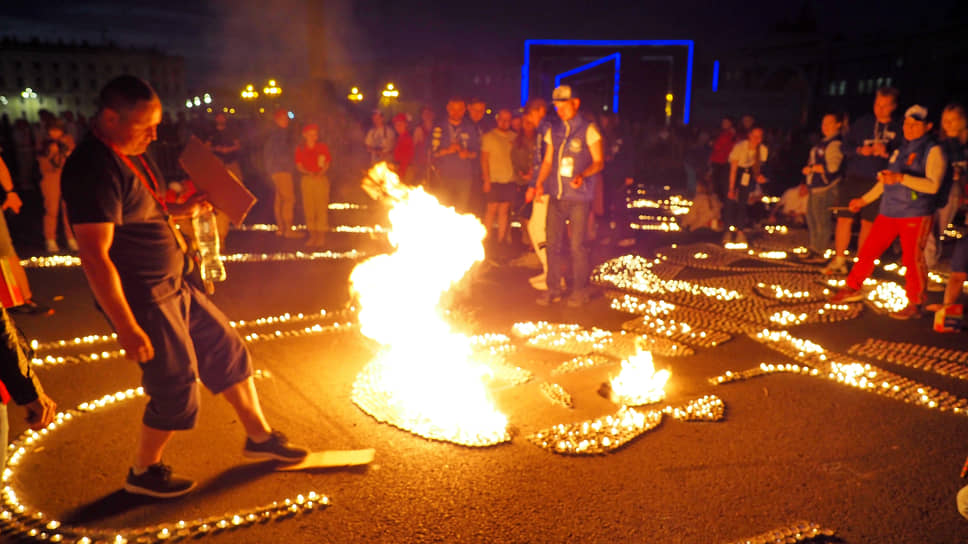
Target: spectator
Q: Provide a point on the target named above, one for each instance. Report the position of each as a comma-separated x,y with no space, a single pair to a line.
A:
823,172
13,203
313,161
403,150
498,173
718,172
380,139
534,115
746,124
226,145
19,383
913,175
747,162
421,145
278,153
476,111
706,209
869,143
451,145
954,139
516,124
51,157
23,140
135,269
573,161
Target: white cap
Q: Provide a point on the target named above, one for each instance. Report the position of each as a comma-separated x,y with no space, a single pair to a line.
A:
562,93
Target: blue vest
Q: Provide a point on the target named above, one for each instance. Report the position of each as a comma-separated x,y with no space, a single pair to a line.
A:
571,158
452,167
818,156
901,201
954,153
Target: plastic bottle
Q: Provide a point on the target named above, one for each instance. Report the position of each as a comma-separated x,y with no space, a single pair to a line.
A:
206,236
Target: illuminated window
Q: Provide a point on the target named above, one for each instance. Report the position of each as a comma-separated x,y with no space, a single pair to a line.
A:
887,82
833,88
861,86
843,87
880,82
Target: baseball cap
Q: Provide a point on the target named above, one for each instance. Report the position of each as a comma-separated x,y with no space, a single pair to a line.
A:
562,93
310,126
401,117
917,112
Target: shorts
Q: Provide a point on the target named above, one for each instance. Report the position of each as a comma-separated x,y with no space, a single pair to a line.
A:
852,187
192,339
502,192
959,258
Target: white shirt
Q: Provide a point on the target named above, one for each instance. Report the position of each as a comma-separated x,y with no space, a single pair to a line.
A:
742,155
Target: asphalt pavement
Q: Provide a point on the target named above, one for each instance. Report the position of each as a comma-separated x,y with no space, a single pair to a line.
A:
790,447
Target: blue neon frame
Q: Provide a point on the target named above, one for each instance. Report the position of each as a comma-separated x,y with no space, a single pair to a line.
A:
617,57
688,44
715,75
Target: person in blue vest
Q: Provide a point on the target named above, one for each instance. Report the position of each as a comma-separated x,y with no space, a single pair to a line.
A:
452,147
822,174
907,191
571,167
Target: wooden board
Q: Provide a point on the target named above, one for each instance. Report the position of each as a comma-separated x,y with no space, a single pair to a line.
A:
332,458
209,174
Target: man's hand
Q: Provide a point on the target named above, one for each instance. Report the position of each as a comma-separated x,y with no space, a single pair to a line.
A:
807,170
41,412
865,150
855,205
732,194
804,190
538,191
197,203
136,344
577,181
12,202
879,150
890,178
761,179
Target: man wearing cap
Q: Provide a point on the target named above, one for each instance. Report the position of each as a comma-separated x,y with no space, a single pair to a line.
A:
569,171
867,147
277,156
906,188
380,139
452,149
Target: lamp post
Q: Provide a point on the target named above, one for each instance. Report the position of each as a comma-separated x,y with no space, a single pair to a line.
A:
272,90
355,95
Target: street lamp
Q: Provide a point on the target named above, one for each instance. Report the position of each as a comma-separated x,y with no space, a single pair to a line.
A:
668,108
390,91
249,93
272,89
355,95
28,93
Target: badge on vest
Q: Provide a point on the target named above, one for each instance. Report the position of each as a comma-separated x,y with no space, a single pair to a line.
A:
894,155
567,167
574,145
911,158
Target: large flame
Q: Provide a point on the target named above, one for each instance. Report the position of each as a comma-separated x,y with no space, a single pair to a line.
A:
423,379
638,383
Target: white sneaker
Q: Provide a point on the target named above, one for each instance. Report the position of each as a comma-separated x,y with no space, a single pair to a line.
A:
72,244
836,267
51,246
539,282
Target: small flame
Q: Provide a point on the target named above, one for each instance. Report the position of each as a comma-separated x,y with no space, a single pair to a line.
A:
638,383
423,379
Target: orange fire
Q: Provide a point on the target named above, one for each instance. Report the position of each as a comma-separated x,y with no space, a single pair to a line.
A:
423,379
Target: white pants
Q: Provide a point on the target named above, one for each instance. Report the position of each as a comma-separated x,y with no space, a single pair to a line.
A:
537,229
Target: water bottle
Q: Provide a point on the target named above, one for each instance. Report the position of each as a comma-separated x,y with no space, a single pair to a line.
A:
206,236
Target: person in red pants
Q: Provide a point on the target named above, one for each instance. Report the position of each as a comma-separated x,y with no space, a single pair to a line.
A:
913,176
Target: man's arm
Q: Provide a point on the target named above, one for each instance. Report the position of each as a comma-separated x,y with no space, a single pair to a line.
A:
12,200
597,165
545,171
485,170
94,241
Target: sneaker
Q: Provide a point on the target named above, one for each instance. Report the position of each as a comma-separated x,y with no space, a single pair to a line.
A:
847,294
72,244
836,267
32,308
577,299
158,482
546,298
911,311
539,282
812,257
277,447
51,246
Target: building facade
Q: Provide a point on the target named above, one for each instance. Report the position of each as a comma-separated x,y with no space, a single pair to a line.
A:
62,77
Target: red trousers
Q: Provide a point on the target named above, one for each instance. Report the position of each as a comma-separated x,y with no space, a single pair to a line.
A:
914,232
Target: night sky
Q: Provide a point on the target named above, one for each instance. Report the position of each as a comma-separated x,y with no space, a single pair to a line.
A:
224,40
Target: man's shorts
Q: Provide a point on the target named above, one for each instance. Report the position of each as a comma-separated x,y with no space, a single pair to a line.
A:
192,339
852,187
502,192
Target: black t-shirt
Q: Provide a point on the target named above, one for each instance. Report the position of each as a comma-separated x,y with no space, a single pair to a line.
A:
99,188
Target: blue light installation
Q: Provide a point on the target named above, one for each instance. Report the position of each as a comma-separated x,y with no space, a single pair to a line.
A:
617,57
688,44
715,75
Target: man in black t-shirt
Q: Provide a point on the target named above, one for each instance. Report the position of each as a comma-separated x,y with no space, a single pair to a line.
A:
135,267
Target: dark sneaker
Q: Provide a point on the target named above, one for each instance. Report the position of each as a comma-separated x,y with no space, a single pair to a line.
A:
911,311
31,307
158,482
847,294
277,447
546,298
